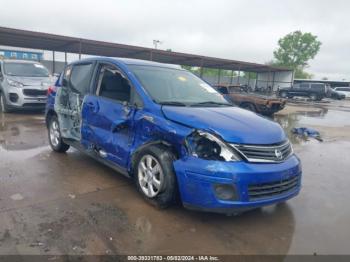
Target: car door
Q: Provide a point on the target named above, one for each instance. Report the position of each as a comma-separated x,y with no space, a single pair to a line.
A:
76,83
107,115
304,89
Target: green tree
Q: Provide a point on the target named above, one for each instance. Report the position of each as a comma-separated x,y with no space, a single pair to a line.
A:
295,50
209,71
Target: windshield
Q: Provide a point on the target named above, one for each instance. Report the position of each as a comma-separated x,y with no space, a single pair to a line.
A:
25,69
177,87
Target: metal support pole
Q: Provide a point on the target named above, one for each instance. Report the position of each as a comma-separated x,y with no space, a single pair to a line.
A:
53,62
248,79
239,75
273,80
219,76
256,81
65,58
79,49
151,55
201,69
231,79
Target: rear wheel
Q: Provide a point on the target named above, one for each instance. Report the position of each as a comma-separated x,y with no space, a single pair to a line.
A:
3,106
313,97
55,138
155,177
283,94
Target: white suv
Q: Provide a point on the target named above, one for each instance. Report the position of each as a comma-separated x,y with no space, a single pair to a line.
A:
343,90
23,85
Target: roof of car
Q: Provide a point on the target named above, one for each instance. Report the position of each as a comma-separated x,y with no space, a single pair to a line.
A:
20,61
129,61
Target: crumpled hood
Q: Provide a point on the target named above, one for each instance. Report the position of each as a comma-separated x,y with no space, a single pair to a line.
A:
32,81
233,124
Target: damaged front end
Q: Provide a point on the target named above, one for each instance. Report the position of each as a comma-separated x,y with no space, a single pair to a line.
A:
215,177
207,146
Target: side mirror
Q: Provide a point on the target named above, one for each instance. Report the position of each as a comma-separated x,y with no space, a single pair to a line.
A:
64,82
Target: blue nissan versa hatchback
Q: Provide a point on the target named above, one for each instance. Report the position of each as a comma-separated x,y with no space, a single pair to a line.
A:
173,134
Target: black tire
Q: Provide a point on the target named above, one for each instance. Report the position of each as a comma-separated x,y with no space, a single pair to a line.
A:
60,146
283,94
249,106
168,192
313,97
3,105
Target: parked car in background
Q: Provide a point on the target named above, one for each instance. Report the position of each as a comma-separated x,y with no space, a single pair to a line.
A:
265,105
343,90
23,85
334,94
315,91
172,133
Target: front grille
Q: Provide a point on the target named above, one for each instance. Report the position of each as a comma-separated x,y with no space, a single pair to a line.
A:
265,153
34,92
266,190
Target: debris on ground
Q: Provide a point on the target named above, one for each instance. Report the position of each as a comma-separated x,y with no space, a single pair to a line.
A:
17,197
306,132
72,196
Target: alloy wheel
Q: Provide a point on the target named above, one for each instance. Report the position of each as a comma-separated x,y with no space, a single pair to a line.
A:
55,135
150,176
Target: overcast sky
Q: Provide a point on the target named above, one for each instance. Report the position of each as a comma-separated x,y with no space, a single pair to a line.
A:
245,30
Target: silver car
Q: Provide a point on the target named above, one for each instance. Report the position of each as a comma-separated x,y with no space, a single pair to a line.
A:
23,85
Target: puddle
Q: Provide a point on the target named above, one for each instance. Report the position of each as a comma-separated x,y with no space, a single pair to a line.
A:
322,118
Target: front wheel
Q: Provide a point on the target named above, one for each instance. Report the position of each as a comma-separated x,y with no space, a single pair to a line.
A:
313,97
3,106
55,138
155,177
283,94
249,107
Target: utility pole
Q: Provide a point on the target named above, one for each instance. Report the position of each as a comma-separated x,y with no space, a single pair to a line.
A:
156,42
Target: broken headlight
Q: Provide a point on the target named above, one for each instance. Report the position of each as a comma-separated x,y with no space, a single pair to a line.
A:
207,146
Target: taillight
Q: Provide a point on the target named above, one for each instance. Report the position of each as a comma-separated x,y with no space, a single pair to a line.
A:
51,89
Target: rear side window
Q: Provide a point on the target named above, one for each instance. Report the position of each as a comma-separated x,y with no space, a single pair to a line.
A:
80,78
304,86
317,87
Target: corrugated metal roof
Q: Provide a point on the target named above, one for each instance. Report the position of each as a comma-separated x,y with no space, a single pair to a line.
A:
45,41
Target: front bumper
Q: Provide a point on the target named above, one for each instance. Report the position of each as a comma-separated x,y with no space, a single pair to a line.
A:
197,179
27,97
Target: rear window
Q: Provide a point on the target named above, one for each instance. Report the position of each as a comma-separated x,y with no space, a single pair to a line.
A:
223,90
80,78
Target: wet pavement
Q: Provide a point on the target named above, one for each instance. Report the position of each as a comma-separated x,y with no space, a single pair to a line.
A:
70,204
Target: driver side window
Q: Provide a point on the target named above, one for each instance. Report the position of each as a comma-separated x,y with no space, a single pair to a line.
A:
113,85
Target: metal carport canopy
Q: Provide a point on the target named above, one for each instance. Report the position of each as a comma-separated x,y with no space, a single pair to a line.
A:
52,42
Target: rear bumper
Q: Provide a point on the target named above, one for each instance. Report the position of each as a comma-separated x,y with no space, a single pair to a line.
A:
197,179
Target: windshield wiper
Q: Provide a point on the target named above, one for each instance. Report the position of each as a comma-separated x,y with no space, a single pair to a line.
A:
211,103
171,103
